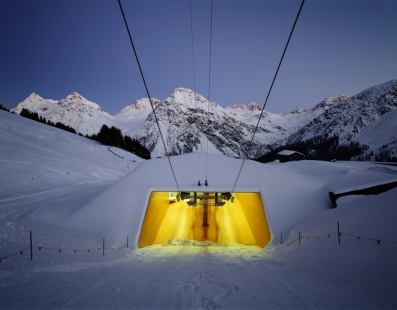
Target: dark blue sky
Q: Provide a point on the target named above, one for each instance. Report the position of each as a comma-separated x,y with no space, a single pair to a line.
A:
54,48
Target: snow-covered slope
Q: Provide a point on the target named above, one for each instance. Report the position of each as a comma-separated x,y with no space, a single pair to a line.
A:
75,111
368,117
35,103
189,122
38,160
133,117
71,193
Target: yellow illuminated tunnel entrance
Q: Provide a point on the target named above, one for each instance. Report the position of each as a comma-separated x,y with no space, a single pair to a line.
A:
241,219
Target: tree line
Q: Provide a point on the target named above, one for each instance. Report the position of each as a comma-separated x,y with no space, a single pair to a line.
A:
384,155
320,148
34,116
113,137
107,136
3,108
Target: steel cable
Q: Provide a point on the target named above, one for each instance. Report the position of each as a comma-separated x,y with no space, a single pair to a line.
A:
209,92
270,89
194,83
147,91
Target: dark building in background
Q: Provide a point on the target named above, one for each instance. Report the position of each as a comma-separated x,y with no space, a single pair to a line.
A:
287,155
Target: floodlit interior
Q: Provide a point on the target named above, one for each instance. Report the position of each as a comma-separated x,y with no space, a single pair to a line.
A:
201,216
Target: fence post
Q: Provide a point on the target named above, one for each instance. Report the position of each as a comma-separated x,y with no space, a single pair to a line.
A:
281,238
31,246
338,234
299,238
127,242
103,247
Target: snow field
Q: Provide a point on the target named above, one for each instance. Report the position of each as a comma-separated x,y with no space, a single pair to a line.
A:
76,210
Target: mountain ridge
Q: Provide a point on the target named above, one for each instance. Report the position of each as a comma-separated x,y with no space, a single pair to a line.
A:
189,122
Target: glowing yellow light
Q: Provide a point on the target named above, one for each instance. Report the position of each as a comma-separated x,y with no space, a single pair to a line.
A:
243,221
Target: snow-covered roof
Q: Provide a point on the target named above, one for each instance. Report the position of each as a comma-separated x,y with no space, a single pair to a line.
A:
307,192
288,153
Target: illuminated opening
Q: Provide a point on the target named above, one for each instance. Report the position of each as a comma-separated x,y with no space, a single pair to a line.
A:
240,218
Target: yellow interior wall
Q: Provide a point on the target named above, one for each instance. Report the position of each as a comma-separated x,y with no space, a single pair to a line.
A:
256,217
243,221
155,212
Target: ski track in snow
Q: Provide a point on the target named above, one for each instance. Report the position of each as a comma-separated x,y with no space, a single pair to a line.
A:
179,278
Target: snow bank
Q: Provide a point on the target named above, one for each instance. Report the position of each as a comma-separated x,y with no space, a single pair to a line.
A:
290,191
101,197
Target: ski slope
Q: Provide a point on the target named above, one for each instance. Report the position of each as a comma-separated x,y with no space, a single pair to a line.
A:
51,179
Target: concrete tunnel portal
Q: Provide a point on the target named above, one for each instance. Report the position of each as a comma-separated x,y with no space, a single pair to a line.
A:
205,216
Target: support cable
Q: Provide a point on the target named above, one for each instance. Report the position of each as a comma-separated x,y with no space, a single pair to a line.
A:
147,91
194,70
270,89
209,92
194,84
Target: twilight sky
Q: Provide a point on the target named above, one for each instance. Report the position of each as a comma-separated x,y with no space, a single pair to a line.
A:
54,48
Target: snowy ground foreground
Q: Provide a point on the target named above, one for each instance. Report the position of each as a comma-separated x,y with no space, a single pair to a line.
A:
48,176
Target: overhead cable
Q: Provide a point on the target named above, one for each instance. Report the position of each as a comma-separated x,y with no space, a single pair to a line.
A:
270,89
209,93
147,91
194,85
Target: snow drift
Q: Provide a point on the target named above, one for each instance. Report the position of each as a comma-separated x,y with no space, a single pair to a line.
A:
290,192
66,210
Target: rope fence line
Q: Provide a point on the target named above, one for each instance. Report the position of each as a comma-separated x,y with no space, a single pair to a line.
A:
364,238
318,237
68,250
104,248
16,253
60,250
339,234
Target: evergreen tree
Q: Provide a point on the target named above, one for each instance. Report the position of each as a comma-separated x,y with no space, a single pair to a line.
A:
34,116
319,148
113,137
3,108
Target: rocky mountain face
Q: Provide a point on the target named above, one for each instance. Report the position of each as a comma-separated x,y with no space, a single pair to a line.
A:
75,111
189,123
369,117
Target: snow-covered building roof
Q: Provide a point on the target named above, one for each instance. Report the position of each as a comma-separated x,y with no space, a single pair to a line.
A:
288,153
289,192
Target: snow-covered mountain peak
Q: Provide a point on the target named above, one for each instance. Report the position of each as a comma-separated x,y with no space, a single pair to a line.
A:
78,101
237,106
188,120
33,98
330,101
364,118
252,106
187,98
139,107
34,103
143,104
75,96
181,91
182,95
297,111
